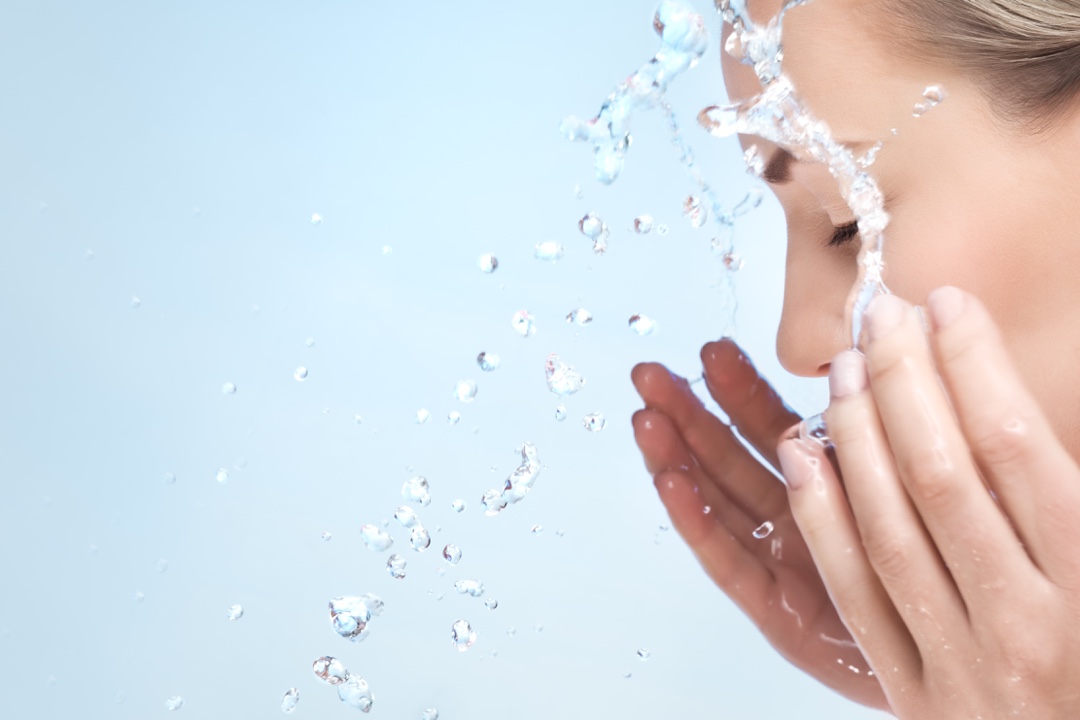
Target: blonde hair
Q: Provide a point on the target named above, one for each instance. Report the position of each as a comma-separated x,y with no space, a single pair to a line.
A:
1024,53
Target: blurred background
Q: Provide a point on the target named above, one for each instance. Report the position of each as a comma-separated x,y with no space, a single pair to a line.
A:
204,193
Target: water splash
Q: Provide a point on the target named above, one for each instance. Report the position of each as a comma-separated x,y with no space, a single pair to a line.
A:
517,485
562,379
349,616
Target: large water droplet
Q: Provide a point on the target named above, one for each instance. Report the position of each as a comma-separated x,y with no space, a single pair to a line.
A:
420,539
453,417
491,603
417,490
591,226
581,316
475,588
548,250
458,505
465,391
300,374
406,516
316,219
488,362
452,554
524,324
594,422
430,714
375,539
422,416
228,389
462,635
290,700
562,379
330,670
174,703
349,616
695,211
355,693
235,612
396,567
642,325
493,502
764,530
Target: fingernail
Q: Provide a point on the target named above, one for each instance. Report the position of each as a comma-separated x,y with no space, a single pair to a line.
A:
793,463
946,304
847,374
884,314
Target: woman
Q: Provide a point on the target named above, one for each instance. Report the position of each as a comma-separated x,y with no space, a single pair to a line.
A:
929,566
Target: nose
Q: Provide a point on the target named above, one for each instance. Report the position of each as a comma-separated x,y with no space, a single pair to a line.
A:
813,327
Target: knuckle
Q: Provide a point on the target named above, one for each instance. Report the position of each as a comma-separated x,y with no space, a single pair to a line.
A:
890,553
1001,441
929,477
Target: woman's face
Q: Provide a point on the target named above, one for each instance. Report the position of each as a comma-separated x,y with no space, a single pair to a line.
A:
974,203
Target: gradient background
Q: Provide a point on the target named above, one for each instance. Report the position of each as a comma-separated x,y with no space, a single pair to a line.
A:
187,144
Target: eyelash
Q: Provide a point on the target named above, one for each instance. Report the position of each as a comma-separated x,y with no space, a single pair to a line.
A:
843,234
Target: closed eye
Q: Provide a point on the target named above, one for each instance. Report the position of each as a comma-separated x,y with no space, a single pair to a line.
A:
844,233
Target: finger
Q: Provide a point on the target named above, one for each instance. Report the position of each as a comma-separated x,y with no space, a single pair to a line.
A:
719,452
1033,476
818,504
749,401
970,531
896,544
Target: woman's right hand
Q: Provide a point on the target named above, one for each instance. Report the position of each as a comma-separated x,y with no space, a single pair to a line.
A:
718,494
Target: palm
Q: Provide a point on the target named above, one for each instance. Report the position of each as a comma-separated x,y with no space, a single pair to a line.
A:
720,497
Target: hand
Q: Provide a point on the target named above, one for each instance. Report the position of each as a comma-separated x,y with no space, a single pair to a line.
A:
950,547
718,494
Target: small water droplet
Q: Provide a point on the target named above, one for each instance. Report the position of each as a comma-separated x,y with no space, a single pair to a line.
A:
538,627
222,476
581,316
355,693
289,701
643,654
162,565
316,219
136,303
405,514
732,261
562,379
234,613
375,539
559,533
643,325
174,703
89,254
465,391
139,597
591,226
695,211
358,419
536,529
452,554
422,416
594,422
560,413
327,536
474,588
871,156
387,250
120,697
458,505
493,502
420,539
523,323
643,224
169,479
548,250
417,490
488,362
764,530
462,635
300,374
933,96
430,714
453,417
488,263
228,389
706,510
662,229
511,631
350,616
491,603
755,162
396,567
578,192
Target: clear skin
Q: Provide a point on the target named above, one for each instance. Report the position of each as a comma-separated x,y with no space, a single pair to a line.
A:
928,565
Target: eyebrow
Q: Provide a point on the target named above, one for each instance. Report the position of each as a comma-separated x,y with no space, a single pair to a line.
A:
778,171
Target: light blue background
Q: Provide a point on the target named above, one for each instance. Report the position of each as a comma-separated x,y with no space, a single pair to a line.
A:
187,144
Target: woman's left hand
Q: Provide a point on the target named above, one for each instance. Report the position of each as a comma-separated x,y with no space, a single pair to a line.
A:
950,547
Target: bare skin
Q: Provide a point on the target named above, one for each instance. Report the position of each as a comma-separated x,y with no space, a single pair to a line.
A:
927,567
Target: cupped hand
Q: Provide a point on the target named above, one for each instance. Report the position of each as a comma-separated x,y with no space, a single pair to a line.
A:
949,549
733,511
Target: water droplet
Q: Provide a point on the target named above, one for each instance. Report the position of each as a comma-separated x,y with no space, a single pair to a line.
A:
755,161
139,597
89,254
560,413
871,155
581,316
465,391
136,303
628,675
417,490
355,693
92,550
474,588
430,714
489,263
537,529
643,325
662,229
235,612
538,627
453,417
463,635
406,516
316,219
643,224
706,510
327,536
396,567
549,250
491,603
594,422
488,362
375,539
458,505
524,324
387,250
162,565
174,703
562,379
420,539
591,226
579,193
350,616
764,530
289,701
169,479
733,262
422,416
300,374
511,631
933,96
358,419
228,389
600,245
452,554
643,654
493,502
695,211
